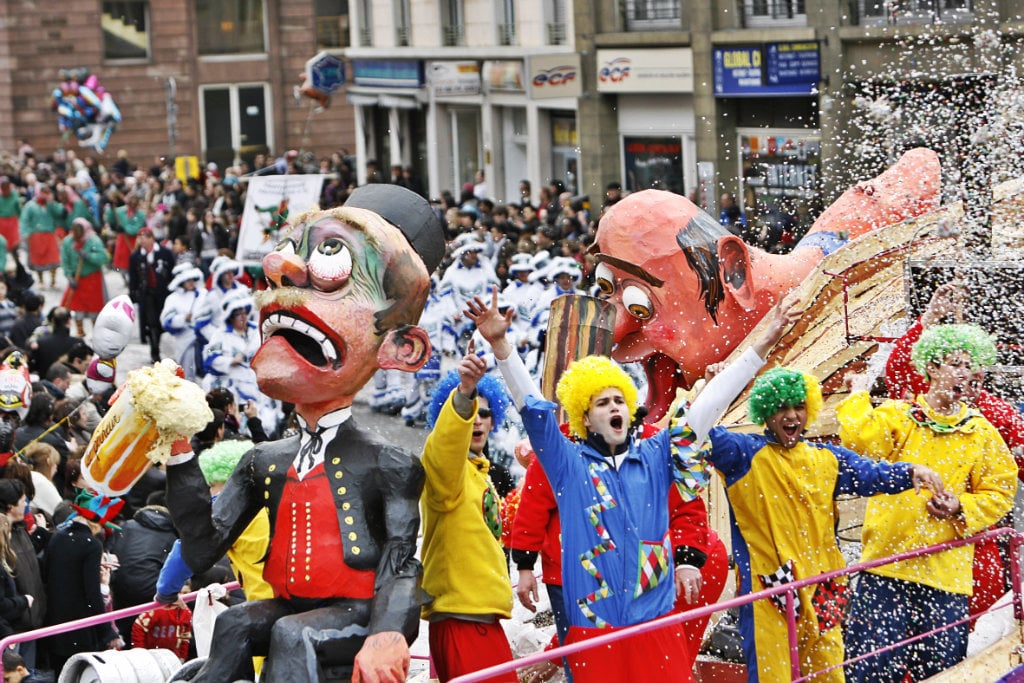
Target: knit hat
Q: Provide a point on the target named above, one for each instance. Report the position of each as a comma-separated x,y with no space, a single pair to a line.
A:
96,507
11,491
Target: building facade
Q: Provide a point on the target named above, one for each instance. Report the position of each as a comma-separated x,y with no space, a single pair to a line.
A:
453,88
766,99
216,79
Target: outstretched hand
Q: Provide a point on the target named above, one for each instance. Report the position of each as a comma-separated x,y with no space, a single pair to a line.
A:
492,323
471,370
948,299
783,316
928,478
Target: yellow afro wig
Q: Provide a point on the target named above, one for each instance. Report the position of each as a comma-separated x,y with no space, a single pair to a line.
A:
585,379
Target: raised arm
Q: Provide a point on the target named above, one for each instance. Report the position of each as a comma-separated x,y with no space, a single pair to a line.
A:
722,390
493,326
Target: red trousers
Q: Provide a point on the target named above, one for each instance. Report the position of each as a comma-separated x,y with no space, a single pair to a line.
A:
713,576
460,647
660,655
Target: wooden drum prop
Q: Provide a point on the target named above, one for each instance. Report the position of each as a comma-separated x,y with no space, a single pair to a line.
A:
153,409
579,326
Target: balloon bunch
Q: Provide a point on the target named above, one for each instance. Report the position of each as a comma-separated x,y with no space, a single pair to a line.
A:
85,108
114,327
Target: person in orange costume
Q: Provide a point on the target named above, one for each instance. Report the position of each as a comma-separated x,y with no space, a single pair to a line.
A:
991,566
687,291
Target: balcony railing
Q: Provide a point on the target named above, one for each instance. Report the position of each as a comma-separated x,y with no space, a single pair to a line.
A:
763,13
506,34
556,33
652,15
366,36
402,36
909,12
453,36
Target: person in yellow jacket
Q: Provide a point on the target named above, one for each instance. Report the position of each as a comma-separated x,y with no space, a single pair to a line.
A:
465,573
896,601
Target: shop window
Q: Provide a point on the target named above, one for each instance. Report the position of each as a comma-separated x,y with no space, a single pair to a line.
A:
366,23
125,29
403,25
453,23
757,13
652,15
653,163
331,23
557,28
229,27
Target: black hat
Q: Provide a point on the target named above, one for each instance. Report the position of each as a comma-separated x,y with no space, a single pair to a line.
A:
408,212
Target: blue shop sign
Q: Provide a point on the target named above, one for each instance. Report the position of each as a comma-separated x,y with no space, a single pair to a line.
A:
772,69
387,73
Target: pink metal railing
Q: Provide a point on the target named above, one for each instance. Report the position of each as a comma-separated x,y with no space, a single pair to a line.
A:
789,589
86,622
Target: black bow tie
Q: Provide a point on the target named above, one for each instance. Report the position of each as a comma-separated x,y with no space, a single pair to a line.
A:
314,444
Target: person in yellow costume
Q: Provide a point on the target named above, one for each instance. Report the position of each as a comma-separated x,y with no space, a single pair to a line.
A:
781,492
895,601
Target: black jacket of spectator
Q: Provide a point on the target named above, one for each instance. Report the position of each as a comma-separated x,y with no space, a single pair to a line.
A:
141,550
28,575
73,591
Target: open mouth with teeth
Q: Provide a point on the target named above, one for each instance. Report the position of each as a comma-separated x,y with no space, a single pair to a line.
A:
308,341
791,431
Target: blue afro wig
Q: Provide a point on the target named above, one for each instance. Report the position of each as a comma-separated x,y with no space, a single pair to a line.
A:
490,387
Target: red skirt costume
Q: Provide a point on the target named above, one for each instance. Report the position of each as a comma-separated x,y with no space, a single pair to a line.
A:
89,296
11,233
123,248
43,251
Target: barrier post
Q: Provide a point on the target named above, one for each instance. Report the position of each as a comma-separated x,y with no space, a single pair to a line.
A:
1015,576
794,649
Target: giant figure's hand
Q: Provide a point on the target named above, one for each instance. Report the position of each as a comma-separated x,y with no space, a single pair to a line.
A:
383,658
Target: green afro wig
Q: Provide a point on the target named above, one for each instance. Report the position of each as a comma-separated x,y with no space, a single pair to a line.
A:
938,342
783,388
585,379
218,461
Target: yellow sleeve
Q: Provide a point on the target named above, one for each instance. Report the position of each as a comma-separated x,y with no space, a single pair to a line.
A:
247,555
444,457
993,486
870,431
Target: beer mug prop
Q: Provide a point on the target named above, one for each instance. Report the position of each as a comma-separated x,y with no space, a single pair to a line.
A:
153,409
